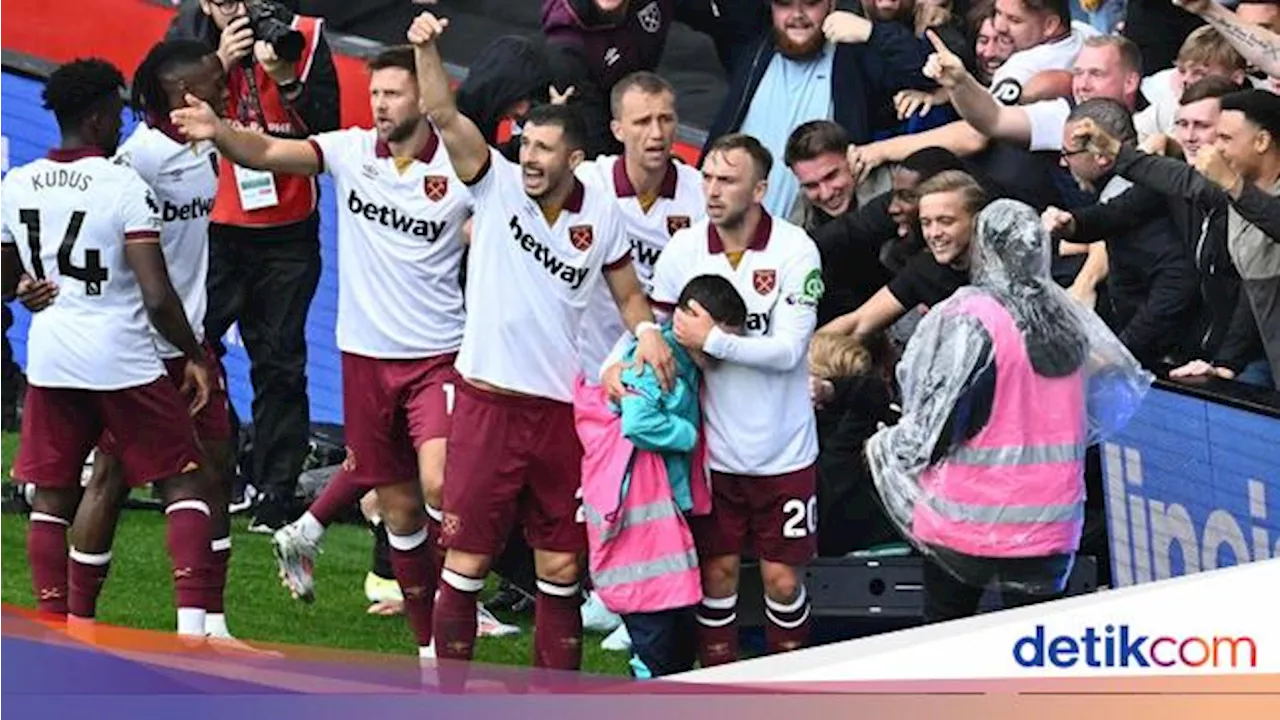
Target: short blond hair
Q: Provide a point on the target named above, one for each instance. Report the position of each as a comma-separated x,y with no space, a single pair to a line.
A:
972,196
1206,46
833,355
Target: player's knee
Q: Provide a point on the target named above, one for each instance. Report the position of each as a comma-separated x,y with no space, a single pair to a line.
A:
56,502
467,564
720,576
431,458
402,513
191,485
781,582
556,567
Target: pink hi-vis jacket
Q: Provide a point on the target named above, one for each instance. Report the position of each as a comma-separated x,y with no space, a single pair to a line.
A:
1016,489
641,552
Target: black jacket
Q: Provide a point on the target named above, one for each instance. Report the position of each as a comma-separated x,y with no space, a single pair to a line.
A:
1224,331
1152,283
510,69
853,517
318,106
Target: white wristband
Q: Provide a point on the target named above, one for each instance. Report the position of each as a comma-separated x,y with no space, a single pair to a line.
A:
646,326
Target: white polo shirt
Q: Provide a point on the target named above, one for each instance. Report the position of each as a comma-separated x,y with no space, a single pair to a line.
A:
760,419
529,282
678,205
184,176
1009,79
399,246
70,217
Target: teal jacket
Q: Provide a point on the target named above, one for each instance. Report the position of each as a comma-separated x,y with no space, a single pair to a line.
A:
664,422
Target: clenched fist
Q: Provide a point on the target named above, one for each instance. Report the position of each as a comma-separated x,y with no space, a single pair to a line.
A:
1215,169
845,27
1094,139
426,28
1057,222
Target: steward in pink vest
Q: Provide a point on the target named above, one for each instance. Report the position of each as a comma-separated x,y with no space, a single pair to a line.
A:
1004,386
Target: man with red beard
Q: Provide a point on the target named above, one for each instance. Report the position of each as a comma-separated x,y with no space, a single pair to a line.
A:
796,75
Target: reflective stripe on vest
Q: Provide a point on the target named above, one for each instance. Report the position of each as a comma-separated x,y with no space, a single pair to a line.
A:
639,515
1005,514
1017,455
637,572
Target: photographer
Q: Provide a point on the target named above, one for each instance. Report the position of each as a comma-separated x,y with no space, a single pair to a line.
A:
264,245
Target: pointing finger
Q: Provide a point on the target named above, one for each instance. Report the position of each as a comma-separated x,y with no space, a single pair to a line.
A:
937,43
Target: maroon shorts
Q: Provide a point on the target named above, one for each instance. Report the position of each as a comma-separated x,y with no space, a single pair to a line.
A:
213,422
153,435
776,516
512,458
390,408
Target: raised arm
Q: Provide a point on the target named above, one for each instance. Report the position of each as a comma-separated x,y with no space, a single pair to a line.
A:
969,98
466,145
246,148
1258,45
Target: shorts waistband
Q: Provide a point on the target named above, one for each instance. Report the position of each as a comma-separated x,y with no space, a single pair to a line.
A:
497,398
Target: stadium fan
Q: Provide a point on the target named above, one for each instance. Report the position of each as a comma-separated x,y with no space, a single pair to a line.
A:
1044,38
400,319
513,454
92,364
1225,331
762,463
1241,171
813,63
949,202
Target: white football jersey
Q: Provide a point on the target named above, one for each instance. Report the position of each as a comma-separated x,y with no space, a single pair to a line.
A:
679,204
529,282
1012,76
184,177
760,419
70,216
399,246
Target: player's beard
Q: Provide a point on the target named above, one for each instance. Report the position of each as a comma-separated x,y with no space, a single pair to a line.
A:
734,221
403,131
798,51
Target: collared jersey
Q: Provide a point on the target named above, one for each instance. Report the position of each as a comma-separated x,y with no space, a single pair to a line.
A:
184,177
760,419
678,204
529,281
399,246
70,216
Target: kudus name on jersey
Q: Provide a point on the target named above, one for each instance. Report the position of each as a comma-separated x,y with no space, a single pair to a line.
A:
390,217
197,208
542,254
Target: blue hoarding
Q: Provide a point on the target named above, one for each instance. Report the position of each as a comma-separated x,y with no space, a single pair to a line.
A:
28,133
1192,485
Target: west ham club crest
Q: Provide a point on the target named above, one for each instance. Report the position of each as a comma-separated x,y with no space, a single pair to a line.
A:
676,223
764,280
436,187
581,236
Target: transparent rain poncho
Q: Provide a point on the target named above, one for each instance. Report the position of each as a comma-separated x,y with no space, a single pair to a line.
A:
1010,257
